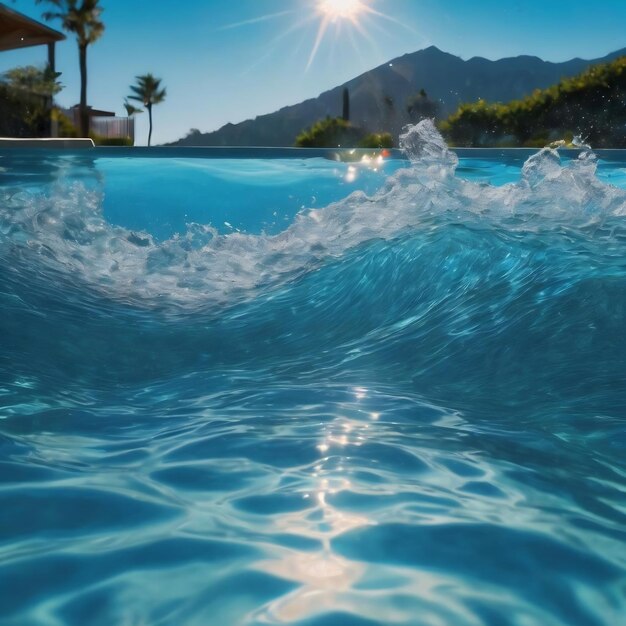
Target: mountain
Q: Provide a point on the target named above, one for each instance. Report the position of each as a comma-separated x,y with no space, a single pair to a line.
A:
378,98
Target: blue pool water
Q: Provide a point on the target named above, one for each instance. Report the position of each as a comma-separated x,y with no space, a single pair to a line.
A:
304,391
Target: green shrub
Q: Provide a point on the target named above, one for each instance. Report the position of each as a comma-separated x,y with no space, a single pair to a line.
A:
376,140
335,132
111,141
25,101
591,104
22,114
65,128
332,132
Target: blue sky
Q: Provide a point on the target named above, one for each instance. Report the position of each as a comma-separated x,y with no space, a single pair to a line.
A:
217,72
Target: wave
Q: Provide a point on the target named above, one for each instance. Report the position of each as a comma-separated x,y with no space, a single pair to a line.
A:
407,403
60,232
442,283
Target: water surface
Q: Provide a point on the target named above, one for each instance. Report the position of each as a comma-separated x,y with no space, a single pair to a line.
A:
292,392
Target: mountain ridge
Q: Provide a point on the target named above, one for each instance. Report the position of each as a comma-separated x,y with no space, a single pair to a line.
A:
378,96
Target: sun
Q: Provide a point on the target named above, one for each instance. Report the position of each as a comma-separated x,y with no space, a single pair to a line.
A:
335,14
341,9
339,19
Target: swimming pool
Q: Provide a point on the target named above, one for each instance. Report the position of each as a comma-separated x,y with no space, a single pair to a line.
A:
289,390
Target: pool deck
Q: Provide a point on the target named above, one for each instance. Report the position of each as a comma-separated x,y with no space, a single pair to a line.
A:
67,145
49,144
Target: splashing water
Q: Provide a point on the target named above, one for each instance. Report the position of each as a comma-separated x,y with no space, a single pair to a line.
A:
68,226
406,407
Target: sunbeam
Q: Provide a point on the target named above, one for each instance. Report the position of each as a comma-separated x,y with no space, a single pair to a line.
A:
337,13
331,15
256,20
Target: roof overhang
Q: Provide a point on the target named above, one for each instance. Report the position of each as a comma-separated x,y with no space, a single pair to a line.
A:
19,31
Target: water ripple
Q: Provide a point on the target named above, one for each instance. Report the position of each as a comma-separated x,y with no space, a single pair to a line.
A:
408,408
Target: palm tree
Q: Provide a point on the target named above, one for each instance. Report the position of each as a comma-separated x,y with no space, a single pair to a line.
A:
131,109
84,20
148,92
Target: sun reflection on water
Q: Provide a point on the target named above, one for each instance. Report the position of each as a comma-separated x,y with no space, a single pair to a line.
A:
325,578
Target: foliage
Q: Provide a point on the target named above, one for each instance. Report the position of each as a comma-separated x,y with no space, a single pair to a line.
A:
420,107
332,132
25,101
111,141
84,21
131,109
148,91
592,104
346,105
335,132
376,140
81,19
34,80
65,127
20,113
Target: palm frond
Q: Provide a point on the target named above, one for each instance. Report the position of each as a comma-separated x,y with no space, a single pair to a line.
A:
84,20
131,109
147,90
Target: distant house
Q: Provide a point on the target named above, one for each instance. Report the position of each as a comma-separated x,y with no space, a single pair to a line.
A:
73,114
103,123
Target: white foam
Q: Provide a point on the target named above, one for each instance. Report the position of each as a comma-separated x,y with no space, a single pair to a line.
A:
203,268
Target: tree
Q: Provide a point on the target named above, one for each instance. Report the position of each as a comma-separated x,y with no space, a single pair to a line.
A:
82,19
346,105
25,99
389,112
148,91
590,104
29,78
420,107
131,109
332,132
335,132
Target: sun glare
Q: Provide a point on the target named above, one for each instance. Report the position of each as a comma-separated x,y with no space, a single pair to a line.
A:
341,9
335,13
345,20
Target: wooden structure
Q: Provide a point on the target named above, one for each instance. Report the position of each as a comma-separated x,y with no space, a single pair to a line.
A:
19,31
104,123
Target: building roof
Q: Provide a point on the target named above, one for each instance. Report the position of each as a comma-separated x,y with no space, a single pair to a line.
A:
19,31
93,112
